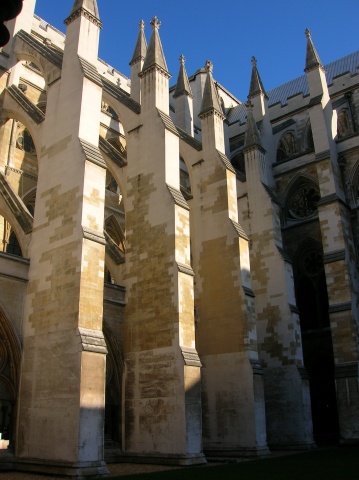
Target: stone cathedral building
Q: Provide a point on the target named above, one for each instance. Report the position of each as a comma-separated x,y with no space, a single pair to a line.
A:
178,268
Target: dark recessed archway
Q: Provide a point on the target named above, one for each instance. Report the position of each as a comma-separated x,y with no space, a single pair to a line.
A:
312,301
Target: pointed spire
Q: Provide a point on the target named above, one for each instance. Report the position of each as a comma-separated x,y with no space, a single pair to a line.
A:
182,85
85,7
256,86
141,45
155,56
312,59
210,101
252,136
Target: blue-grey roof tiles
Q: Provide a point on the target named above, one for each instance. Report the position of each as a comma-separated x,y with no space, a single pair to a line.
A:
299,86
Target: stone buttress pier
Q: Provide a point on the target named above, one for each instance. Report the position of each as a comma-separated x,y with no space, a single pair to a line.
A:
288,410
62,387
163,383
232,393
339,250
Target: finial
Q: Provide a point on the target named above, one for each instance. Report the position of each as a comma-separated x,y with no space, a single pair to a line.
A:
142,25
209,66
254,61
155,23
182,59
307,33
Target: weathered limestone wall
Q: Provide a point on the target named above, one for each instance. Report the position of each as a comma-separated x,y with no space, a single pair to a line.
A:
232,394
339,260
63,373
162,389
288,411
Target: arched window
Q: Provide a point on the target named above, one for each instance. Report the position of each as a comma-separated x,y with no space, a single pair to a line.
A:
25,142
308,138
312,301
108,277
13,245
286,147
185,183
343,124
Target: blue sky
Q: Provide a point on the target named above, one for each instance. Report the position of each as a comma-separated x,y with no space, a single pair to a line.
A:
227,32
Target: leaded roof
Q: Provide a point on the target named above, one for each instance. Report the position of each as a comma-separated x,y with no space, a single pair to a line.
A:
348,64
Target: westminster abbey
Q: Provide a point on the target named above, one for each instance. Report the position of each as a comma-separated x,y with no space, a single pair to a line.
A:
178,268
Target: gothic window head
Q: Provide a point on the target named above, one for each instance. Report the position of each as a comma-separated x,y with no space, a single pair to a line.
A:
13,245
308,138
343,124
286,147
185,183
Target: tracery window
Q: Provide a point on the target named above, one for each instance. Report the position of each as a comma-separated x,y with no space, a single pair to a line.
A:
25,142
286,147
185,183
343,124
302,201
308,138
13,245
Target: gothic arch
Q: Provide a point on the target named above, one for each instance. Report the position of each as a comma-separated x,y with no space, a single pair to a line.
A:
127,117
353,181
25,52
15,227
29,200
308,142
33,128
312,301
286,146
10,358
185,179
113,397
183,155
343,123
114,229
115,250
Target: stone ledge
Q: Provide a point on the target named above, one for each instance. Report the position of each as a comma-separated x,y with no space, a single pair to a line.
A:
97,469
191,357
165,459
